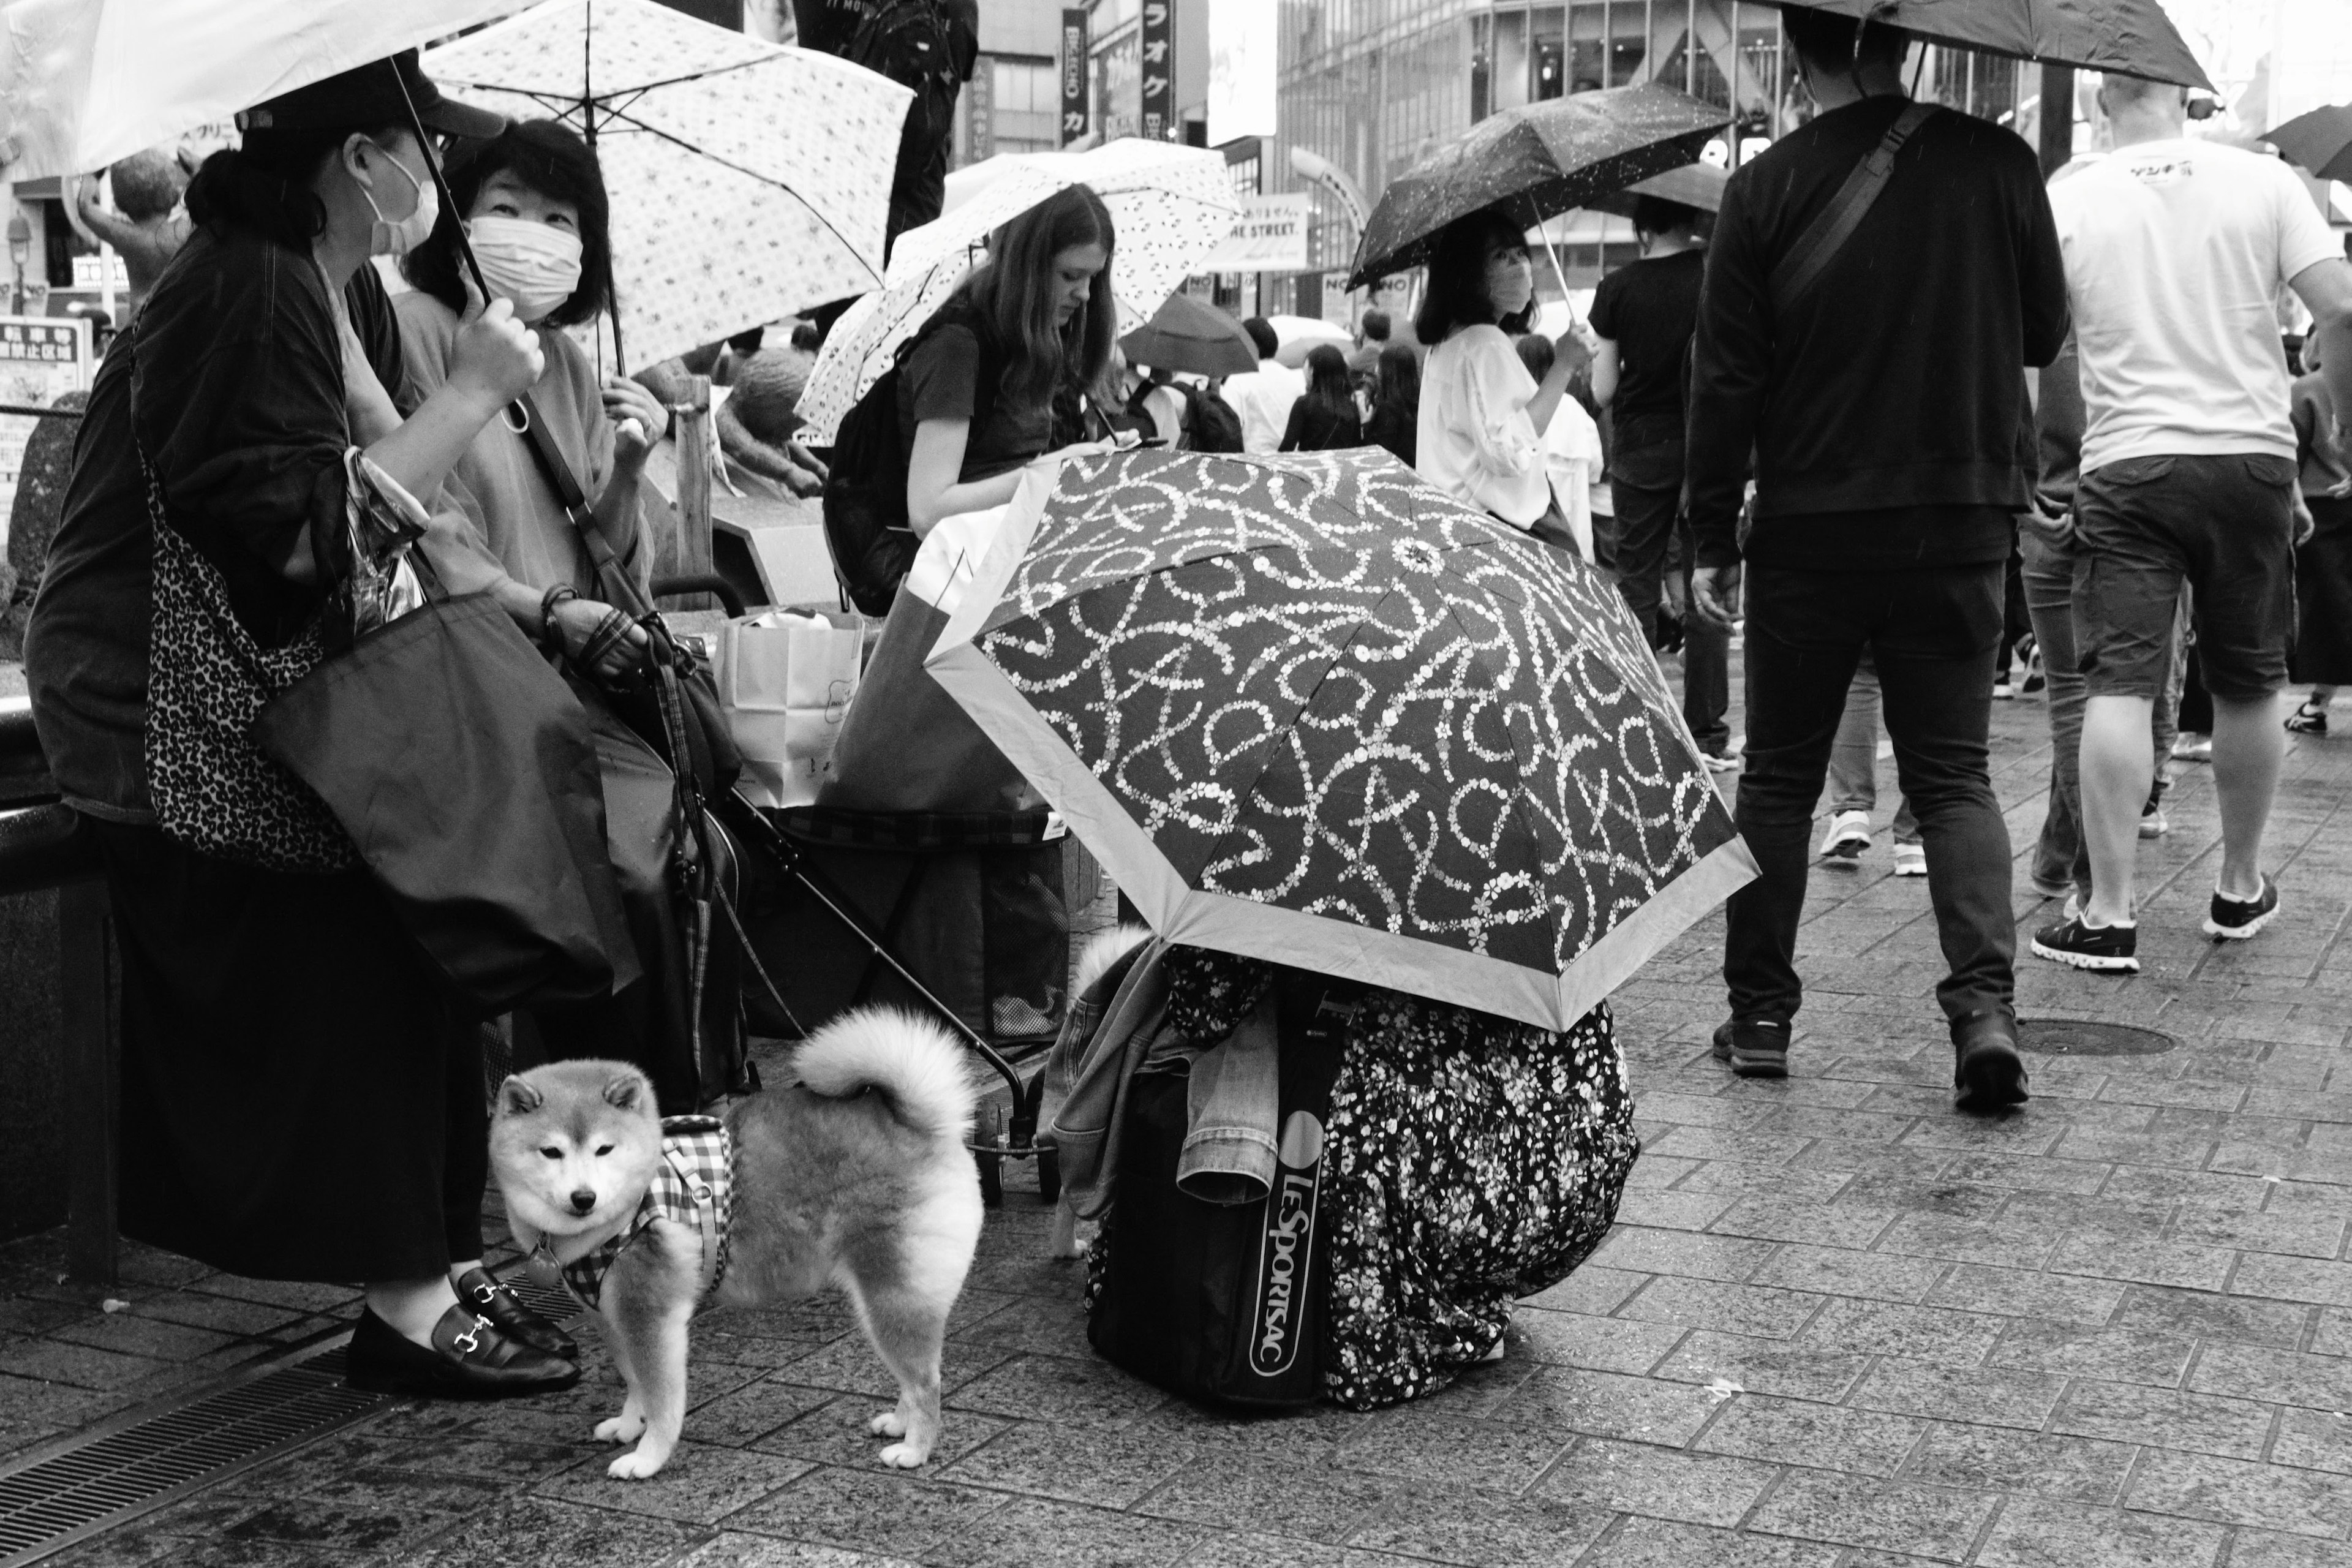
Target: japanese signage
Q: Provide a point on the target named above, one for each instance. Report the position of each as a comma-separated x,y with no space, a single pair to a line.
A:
1118,73
1074,76
980,112
41,358
1160,69
1269,235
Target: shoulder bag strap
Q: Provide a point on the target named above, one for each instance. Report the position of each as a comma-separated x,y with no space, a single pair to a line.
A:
1807,260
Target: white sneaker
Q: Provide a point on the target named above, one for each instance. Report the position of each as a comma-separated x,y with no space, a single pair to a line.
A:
1848,837
1910,860
2188,748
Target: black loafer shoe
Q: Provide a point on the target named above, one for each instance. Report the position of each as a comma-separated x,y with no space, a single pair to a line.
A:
495,1299
1755,1047
1987,1071
469,1360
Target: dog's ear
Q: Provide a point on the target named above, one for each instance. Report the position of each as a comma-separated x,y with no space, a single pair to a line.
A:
627,1091
516,1098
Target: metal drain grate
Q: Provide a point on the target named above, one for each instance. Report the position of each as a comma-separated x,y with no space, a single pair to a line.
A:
121,1470
2083,1037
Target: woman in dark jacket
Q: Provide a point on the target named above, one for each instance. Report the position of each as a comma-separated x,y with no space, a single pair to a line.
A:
1323,417
1395,423
301,1099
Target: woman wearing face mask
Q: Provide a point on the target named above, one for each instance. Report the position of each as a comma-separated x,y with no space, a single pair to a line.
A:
976,397
301,1099
1482,415
533,205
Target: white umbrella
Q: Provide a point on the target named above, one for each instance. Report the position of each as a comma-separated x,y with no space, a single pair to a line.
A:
1296,335
84,83
749,181
1169,206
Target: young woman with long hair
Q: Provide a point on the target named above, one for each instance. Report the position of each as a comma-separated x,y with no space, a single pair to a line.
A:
1034,321
1323,417
1483,416
1395,423
301,1099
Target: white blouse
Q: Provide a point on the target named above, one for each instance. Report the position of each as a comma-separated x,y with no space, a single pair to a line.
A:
1477,443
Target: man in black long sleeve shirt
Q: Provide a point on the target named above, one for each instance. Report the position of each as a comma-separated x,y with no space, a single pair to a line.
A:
1883,413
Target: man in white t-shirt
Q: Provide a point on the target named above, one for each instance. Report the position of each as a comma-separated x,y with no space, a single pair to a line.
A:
2176,253
1263,396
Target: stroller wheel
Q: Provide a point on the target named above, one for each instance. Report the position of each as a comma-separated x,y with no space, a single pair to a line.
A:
991,1177
1049,1175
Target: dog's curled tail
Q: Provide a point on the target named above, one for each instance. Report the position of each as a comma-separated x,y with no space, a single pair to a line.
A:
917,1064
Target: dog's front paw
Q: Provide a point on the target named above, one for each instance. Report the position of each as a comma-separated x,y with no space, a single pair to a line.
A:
626,1427
904,1456
889,1424
637,1463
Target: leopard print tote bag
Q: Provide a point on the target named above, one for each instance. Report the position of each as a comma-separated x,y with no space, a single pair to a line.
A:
213,789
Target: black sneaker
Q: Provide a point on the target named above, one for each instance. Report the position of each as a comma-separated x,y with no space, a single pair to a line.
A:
1754,1048
1988,1075
2235,920
2086,946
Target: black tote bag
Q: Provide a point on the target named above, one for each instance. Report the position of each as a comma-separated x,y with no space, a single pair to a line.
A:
464,769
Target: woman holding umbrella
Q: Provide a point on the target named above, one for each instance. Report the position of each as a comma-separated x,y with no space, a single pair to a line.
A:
301,1097
1483,416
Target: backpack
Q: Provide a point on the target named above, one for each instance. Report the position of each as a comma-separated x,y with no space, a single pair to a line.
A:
1139,415
866,527
1215,426
908,42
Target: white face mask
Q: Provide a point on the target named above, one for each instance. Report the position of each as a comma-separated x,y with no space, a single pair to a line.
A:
535,264
398,237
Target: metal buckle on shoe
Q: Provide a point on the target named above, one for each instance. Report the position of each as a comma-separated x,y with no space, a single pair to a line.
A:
489,1292
471,1340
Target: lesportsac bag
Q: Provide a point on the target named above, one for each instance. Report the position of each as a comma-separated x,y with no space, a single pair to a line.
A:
1218,1301
866,525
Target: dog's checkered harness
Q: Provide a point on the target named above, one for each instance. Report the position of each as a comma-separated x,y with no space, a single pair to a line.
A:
694,1185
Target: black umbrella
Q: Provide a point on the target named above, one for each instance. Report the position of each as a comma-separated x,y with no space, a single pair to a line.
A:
2320,142
1186,335
1535,162
2132,37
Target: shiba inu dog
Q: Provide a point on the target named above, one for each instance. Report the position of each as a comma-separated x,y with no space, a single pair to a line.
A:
855,1175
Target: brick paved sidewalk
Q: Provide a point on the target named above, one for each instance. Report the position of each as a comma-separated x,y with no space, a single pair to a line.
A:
1838,1326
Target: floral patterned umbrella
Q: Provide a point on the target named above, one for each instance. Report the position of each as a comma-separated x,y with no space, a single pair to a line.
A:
749,181
1309,709
1171,204
1535,162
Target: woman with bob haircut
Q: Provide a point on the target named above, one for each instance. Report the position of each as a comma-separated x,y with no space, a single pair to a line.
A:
1483,416
1034,321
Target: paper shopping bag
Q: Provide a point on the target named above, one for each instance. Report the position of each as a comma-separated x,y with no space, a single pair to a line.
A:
785,681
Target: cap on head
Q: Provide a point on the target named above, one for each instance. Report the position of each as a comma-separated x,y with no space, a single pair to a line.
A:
371,95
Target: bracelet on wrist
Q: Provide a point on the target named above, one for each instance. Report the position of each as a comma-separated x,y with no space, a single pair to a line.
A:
561,593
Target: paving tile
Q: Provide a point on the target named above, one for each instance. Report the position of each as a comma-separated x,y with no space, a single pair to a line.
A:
1818,1437
2293,1280
1851,1226
2241,1319
1822,1505
701,1484
1992,1395
1917,1333
2304,1235
1763,1367
1602,1344
2237,1491
1658,1210
1318,1503
1682,1253
2314,1440
1059,1388
2030,1172
2151,1262
2122,1356
1604,1404
1450,1453
1765,1182
2170,1183
1591,1289
2333,1337
2164,1417
1662,1483
1476,1532
2033,1534
752,1410
1736,1308
2281,1377
1030,1532
1250,1550
1987,1459
729,1549
1846,1272
1662,1543
2268,1548
83,1366
1966,1241
836,1433
2018,1293
891,1513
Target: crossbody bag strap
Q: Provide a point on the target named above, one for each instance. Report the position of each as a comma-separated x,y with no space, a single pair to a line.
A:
1807,260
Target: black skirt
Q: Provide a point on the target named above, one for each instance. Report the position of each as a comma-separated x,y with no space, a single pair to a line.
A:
2323,598
302,1098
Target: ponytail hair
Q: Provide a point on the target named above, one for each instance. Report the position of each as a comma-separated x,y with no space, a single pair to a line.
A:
264,183
1013,293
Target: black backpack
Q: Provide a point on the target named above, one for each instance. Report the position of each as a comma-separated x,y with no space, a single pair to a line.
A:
908,42
1216,427
866,525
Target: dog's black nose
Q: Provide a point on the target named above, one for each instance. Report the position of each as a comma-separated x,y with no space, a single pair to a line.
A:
584,1200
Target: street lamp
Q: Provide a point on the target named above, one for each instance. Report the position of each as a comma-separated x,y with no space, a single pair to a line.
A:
20,250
